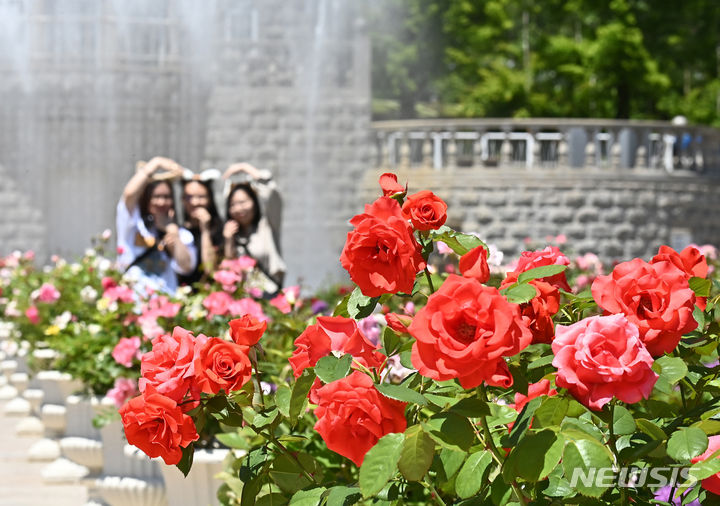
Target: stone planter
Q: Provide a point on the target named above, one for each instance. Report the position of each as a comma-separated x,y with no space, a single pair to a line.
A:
127,480
200,486
56,388
81,449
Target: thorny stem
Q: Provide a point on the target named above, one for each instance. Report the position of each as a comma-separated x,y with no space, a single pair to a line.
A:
256,377
270,436
499,458
433,492
613,447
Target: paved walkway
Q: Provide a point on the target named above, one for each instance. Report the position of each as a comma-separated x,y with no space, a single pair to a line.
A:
20,481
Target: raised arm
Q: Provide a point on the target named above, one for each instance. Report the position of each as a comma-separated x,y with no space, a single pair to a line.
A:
134,188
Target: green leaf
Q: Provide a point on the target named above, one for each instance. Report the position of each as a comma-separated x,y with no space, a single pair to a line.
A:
699,316
331,368
651,429
401,393
282,400
623,422
522,422
460,243
700,286
272,499
233,440
541,272
391,341
300,391
380,463
686,443
417,454
471,407
551,412
342,307
706,468
307,497
451,461
450,430
586,457
535,457
672,369
343,496
471,476
359,305
187,459
519,294
500,415
287,473
709,427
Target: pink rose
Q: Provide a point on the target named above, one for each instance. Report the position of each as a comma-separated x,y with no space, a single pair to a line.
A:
228,279
33,315
108,282
217,303
48,293
124,389
119,293
126,350
602,357
654,296
247,306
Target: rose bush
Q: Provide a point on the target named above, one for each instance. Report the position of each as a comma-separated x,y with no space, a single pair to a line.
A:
491,386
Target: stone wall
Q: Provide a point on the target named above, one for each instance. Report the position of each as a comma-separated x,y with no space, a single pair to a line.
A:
282,84
617,215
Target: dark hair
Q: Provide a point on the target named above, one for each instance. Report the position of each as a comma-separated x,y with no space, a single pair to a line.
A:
215,221
144,203
247,188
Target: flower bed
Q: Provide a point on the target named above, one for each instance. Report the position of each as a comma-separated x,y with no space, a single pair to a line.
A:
439,378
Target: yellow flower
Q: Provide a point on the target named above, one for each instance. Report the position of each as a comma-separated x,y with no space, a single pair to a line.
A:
52,330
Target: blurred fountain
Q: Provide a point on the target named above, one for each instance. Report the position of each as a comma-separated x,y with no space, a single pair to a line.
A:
91,86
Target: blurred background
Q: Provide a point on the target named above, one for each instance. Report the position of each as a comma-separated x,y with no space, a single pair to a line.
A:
593,120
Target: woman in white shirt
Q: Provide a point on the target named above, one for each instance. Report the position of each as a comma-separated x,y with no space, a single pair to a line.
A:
253,223
152,247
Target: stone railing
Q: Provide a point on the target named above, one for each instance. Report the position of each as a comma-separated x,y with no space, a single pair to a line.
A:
545,143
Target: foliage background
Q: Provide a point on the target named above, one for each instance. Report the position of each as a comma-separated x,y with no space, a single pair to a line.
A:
643,59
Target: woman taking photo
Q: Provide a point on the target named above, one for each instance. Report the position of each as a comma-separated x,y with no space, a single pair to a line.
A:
200,217
253,223
152,247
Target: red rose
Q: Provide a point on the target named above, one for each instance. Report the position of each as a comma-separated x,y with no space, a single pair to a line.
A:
247,330
655,297
155,424
690,261
548,256
389,185
711,483
539,311
333,334
353,416
399,323
602,357
473,264
535,390
425,210
221,365
464,331
168,367
381,254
